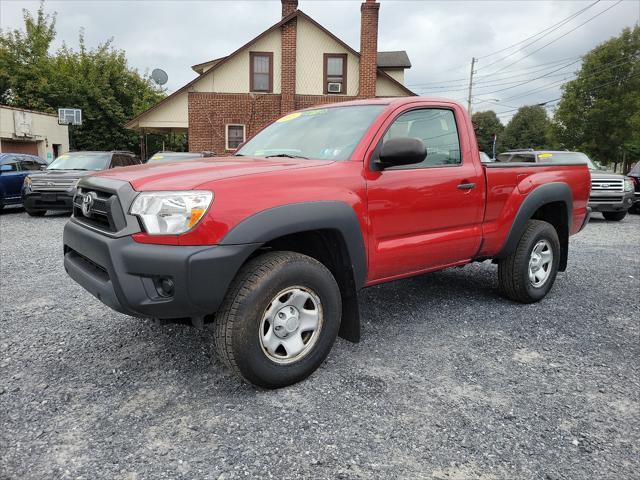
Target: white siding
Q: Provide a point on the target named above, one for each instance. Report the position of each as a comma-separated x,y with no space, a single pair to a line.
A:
396,73
45,131
386,88
233,75
312,44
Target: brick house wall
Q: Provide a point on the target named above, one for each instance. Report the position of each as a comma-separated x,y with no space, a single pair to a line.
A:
209,113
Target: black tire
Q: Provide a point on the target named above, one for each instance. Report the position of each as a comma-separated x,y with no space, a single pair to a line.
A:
35,213
614,216
513,271
238,321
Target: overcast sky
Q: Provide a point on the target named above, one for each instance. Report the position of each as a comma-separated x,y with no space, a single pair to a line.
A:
441,37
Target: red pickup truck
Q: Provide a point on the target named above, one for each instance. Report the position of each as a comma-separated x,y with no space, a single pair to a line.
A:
273,243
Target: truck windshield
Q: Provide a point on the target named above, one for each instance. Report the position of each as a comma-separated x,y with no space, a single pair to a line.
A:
81,161
566,157
319,134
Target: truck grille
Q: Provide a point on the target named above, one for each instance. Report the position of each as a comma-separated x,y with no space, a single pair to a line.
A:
52,185
101,212
605,199
615,185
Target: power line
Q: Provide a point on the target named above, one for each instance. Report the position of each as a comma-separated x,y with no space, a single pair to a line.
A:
550,29
562,81
533,69
561,36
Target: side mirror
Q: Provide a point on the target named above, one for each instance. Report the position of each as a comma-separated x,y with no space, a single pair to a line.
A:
6,168
401,151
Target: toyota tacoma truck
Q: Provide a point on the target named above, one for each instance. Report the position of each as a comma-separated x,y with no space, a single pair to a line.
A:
273,244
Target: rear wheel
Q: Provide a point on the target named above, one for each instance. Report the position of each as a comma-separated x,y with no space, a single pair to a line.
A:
528,274
614,216
279,319
35,213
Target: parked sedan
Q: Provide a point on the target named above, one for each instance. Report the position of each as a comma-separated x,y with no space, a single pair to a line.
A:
14,167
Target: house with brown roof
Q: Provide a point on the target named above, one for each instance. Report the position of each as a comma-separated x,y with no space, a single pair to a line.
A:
296,63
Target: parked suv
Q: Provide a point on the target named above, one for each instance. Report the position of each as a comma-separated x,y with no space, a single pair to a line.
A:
54,188
634,175
14,167
611,193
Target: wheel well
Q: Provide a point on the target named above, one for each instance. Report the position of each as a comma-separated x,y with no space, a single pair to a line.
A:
555,213
329,248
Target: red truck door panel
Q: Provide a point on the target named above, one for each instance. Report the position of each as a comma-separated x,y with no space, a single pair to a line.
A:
425,216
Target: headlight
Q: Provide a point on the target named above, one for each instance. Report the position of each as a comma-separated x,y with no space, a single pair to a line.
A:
171,213
628,185
27,182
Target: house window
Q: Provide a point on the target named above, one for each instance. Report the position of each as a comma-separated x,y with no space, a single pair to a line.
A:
235,136
261,71
335,73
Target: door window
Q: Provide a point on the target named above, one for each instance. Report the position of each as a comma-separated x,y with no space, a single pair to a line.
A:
13,164
437,128
29,164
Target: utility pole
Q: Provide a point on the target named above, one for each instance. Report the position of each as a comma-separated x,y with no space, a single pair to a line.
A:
473,64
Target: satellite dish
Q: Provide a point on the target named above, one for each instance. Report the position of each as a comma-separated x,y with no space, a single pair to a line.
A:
159,76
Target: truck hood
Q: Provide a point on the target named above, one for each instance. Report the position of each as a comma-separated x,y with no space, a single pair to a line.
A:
188,175
61,174
598,175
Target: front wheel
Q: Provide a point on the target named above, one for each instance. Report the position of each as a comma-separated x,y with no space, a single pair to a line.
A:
614,216
528,274
279,319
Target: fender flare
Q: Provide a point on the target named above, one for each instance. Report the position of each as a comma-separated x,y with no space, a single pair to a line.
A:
538,197
284,220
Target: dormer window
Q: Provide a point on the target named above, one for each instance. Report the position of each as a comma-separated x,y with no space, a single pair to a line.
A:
335,73
261,72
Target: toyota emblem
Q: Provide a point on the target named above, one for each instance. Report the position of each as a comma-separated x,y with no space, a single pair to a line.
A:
87,203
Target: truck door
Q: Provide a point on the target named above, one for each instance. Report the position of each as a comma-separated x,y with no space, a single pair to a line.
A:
427,215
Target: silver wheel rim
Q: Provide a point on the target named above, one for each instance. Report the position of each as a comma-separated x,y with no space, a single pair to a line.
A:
291,325
540,263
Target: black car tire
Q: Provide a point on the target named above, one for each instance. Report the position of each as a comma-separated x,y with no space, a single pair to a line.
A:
513,271
239,321
614,216
35,213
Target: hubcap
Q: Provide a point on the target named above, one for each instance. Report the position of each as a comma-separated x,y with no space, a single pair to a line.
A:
291,325
540,263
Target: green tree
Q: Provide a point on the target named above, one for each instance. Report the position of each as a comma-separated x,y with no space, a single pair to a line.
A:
98,80
486,124
599,112
528,128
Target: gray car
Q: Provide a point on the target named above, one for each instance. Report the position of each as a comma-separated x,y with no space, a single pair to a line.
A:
611,193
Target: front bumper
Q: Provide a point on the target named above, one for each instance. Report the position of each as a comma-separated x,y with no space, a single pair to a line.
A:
127,276
48,200
607,202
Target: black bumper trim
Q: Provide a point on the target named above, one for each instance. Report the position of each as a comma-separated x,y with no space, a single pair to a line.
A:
35,201
122,273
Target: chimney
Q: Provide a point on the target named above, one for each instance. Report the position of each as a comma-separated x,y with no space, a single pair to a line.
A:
288,7
289,33
368,48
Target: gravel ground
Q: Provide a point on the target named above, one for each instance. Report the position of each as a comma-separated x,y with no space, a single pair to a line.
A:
449,382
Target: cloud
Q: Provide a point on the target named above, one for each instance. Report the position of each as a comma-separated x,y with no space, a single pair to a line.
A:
440,36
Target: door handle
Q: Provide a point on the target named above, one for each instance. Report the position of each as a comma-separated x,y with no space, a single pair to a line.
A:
466,186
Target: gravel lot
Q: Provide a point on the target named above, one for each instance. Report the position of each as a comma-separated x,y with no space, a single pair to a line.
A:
449,382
